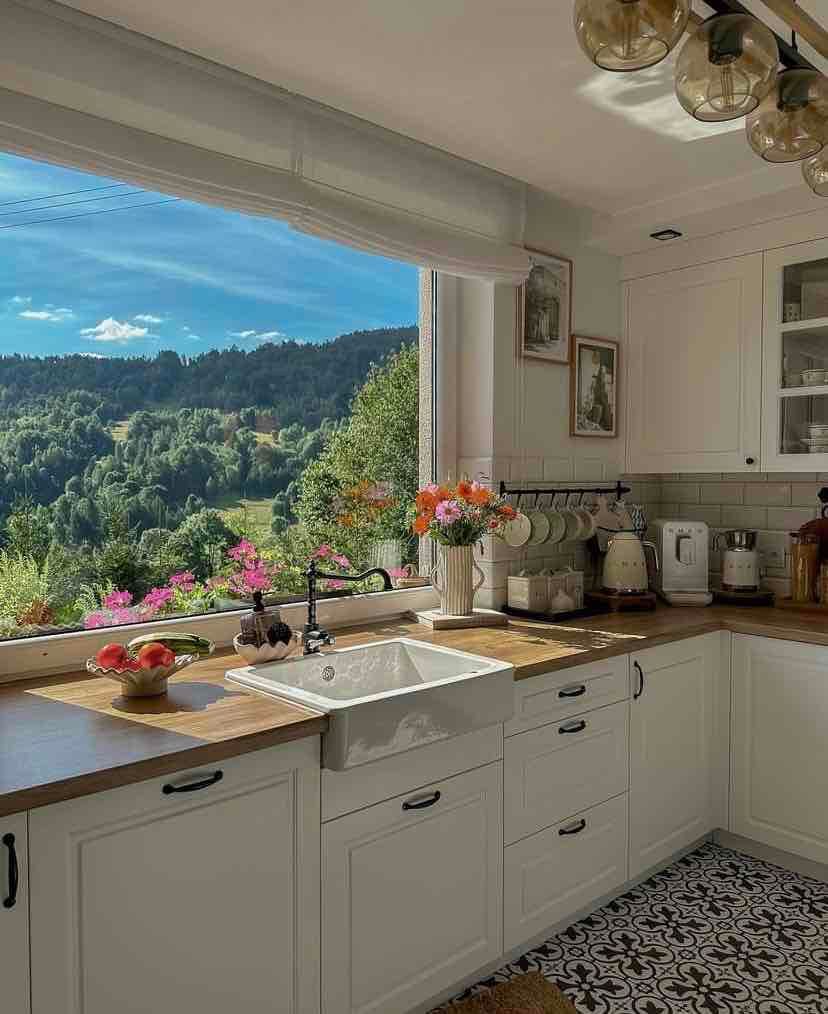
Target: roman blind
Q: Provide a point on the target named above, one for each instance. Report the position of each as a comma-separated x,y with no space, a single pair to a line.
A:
82,92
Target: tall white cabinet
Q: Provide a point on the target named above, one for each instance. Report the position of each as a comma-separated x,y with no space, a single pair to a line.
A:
674,747
694,348
779,746
196,892
14,914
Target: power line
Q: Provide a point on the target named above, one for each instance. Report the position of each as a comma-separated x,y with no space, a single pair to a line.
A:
69,204
69,193
88,214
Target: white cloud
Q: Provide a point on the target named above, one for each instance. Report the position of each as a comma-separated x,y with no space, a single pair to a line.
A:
258,336
111,330
52,314
148,318
20,300
92,355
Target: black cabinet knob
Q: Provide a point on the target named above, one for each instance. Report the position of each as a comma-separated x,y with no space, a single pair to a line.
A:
750,461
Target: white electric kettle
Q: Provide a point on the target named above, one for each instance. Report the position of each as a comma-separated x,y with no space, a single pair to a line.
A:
625,566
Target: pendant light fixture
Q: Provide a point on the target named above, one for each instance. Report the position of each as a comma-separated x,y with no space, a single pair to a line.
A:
791,123
726,68
815,171
627,35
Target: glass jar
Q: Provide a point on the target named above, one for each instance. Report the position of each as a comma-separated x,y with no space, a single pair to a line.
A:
804,566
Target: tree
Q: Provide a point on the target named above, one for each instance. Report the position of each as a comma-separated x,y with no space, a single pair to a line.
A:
378,443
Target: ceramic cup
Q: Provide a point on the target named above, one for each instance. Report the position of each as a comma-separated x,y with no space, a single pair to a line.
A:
588,523
517,532
813,378
557,524
540,527
574,524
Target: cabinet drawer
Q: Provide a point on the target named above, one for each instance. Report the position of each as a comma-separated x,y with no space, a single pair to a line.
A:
561,769
555,873
412,898
544,699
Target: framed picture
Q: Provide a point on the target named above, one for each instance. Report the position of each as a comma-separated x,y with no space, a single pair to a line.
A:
593,387
546,318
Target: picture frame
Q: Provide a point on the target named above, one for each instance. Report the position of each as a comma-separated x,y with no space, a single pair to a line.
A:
593,387
545,301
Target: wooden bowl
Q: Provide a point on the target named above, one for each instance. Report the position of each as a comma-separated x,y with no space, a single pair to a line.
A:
143,682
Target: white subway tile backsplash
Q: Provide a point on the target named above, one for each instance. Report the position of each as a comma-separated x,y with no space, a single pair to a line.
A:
745,476
680,492
789,519
744,517
691,512
589,470
558,470
804,494
721,493
768,494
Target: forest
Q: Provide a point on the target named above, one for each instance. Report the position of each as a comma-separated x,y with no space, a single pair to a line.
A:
133,487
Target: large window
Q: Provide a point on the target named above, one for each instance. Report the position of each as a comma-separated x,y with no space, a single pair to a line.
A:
193,403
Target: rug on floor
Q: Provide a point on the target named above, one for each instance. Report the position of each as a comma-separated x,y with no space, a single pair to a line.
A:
529,993
718,932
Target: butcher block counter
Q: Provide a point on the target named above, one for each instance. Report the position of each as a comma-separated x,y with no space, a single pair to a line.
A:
71,735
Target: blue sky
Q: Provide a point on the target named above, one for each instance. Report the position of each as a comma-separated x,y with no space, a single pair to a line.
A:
176,275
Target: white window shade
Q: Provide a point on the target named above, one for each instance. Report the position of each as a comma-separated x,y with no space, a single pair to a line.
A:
84,93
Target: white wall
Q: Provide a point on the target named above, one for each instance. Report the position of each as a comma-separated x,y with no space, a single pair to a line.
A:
513,414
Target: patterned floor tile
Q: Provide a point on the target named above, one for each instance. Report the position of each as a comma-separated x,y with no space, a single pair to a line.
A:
717,932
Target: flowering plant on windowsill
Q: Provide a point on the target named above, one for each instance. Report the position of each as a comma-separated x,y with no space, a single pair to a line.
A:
459,515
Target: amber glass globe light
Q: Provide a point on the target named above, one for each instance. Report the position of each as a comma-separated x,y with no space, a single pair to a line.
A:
792,121
815,171
628,35
726,68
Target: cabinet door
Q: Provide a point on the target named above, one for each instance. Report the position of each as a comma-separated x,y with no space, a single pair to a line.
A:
672,748
552,875
145,900
560,769
695,368
412,896
14,915
780,744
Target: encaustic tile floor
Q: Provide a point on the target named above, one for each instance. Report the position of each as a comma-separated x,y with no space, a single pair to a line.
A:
718,932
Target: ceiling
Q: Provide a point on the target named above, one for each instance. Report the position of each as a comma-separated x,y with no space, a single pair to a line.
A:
502,84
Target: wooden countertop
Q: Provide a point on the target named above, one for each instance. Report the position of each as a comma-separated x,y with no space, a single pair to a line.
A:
71,735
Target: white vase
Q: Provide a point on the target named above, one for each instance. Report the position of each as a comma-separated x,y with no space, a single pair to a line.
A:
454,579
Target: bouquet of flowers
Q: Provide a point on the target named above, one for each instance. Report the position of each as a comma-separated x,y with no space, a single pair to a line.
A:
459,515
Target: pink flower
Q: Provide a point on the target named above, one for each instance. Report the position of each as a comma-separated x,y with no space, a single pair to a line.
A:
448,511
323,551
157,598
185,580
244,550
334,585
93,620
341,561
117,599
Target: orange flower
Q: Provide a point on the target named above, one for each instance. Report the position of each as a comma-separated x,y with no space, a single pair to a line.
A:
421,523
426,500
347,520
507,512
444,493
465,490
480,496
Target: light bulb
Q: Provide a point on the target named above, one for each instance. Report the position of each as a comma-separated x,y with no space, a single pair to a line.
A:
815,171
627,35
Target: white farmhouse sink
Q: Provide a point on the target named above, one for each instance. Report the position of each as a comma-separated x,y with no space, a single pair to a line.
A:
389,697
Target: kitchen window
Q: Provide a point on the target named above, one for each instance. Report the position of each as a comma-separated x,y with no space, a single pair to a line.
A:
195,402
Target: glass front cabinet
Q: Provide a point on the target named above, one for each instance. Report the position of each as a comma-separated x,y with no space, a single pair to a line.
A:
795,417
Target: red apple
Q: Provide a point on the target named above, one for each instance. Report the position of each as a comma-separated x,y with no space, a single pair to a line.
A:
112,656
155,654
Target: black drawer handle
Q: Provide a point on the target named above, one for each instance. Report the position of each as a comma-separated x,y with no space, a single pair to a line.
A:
575,829
574,727
423,804
578,691
14,872
216,776
640,672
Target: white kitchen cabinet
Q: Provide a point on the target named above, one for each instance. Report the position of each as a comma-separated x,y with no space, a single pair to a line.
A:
14,915
557,872
694,371
779,778
673,748
194,892
412,897
560,769
795,405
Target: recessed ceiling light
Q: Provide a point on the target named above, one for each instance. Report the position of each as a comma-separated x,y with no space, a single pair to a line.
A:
665,234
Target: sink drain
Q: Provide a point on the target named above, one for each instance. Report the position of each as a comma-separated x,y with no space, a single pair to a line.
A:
328,673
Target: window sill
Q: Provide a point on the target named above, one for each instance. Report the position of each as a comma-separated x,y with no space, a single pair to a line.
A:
62,653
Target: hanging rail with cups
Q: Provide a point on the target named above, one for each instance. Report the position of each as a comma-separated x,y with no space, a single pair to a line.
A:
618,489
727,68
